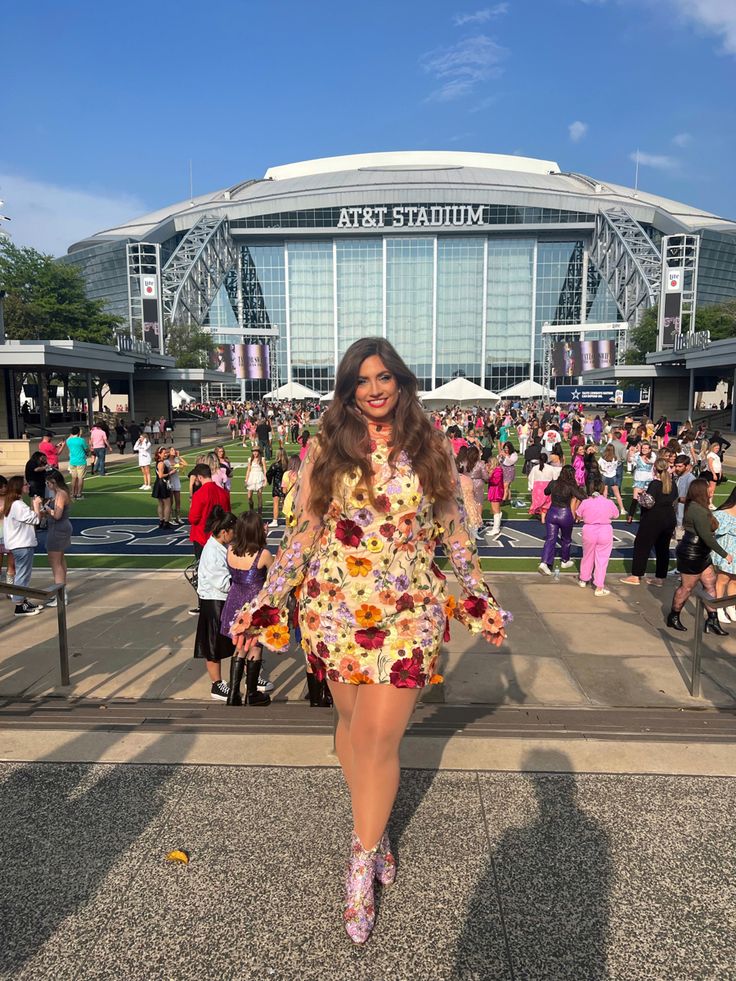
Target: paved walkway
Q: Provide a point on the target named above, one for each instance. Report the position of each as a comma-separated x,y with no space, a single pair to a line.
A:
131,638
540,876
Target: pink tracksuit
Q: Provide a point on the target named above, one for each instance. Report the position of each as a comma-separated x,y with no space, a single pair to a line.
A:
596,513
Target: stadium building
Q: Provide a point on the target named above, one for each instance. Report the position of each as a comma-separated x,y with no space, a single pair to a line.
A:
460,259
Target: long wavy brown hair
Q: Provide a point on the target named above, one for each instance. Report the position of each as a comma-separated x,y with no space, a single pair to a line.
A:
344,443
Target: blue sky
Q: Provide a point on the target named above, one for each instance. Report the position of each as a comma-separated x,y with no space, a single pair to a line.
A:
103,104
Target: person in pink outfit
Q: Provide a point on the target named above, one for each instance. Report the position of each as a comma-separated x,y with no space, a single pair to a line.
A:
596,512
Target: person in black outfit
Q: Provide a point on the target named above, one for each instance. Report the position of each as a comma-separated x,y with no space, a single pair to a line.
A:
134,432
532,453
121,435
263,431
35,474
564,491
656,528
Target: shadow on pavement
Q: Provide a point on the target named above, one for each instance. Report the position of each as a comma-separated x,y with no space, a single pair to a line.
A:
552,875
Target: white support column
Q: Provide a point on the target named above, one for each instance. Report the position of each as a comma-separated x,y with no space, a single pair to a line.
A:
434,312
484,315
533,347
288,313
385,279
334,300
584,288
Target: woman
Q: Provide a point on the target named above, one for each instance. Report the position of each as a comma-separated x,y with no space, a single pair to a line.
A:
508,459
478,472
121,436
36,474
19,531
255,479
143,448
578,464
715,470
539,476
608,466
565,494
303,442
274,475
288,487
495,494
473,509
375,494
726,571
694,562
176,463
161,492
596,512
642,462
656,527
59,538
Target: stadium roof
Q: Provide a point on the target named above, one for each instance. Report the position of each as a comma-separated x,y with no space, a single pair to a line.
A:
415,177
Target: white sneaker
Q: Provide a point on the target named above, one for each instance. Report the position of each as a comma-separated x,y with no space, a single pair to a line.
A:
143,487
582,583
545,569
600,591
54,602
273,524
567,565
731,612
264,684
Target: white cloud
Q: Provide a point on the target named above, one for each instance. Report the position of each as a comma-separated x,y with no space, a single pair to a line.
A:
656,160
481,16
715,17
460,67
682,139
50,218
485,103
577,130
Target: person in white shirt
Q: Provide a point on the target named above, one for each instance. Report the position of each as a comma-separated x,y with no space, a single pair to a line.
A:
143,448
608,466
715,470
19,529
213,585
539,476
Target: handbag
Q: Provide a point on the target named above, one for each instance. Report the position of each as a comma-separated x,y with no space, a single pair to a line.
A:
646,501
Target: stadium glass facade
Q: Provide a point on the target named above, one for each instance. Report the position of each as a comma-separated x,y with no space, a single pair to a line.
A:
452,305
460,259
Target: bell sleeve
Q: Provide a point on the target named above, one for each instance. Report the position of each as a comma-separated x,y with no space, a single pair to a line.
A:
266,618
477,608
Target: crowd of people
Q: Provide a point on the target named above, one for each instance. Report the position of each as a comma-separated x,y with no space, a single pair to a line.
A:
575,465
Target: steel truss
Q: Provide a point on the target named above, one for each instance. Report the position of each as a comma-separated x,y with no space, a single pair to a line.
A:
196,270
628,261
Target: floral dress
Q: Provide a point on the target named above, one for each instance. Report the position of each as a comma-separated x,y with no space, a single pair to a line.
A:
372,604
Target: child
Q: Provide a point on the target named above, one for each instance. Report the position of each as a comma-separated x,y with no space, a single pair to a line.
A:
596,512
248,561
213,585
255,480
143,448
10,577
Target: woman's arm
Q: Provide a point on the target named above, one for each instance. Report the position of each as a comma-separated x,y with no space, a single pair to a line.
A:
701,523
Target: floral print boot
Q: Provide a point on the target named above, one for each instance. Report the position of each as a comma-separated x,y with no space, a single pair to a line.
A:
360,911
385,862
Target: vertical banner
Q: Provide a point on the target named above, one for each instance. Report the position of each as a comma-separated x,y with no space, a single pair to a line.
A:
669,320
257,361
221,358
152,333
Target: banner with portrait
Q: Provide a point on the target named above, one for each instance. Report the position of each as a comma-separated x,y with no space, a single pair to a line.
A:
573,358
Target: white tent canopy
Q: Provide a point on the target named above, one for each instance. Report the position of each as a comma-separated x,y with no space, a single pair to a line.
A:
459,390
525,390
292,390
178,397
328,397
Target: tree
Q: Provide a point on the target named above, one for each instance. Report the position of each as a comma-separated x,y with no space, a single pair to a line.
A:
189,344
719,319
46,300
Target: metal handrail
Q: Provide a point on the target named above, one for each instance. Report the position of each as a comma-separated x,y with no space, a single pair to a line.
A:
702,596
58,590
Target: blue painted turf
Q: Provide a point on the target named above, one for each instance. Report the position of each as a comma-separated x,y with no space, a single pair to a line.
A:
520,538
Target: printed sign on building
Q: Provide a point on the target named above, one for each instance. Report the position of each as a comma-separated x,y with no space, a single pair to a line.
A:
673,281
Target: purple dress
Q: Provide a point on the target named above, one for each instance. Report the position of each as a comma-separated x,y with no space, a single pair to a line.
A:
246,585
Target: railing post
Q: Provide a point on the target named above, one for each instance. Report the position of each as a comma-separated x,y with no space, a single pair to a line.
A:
695,669
63,639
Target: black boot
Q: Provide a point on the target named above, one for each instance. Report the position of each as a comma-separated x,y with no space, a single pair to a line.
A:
237,666
712,626
318,692
313,688
255,697
673,620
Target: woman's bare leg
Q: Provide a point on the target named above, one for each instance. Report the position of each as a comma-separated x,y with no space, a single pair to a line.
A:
344,697
380,717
